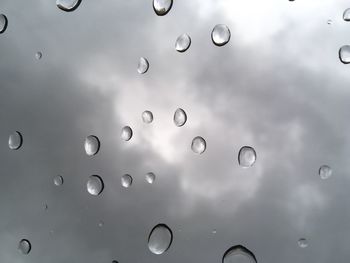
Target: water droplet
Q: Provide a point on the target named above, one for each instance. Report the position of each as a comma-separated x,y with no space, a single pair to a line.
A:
180,117
68,5
143,65
95,185
92,145
15,140
126,133
160,239
346,15
238,254
150,177
302,242
38,55
246,156
344,54
329,21
162,7
115,261
198,145
24,246
183,42
147,116
3,23
126,180
220,35
46,207
325,172
214,231
100,224
58,180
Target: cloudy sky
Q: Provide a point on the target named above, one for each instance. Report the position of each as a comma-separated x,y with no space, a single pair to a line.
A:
277,86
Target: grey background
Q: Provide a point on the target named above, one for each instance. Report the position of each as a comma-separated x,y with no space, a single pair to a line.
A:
278,86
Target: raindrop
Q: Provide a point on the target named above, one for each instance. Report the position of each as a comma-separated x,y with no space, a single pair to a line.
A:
58,180
3,23
92,145
214,231
346,15
238,254
183,42
38,55
162,7
46,207
100,224
220,35
160,239
126,180
198,145
126,133
68,5
180,117
246,156
147,116
344,54
143,65
15,140
325,172
95,185
24,246
329,21
150,177
302,242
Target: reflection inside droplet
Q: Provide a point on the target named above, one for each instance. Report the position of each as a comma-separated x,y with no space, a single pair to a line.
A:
126,180
24,246
126,133
143,65
344,54
238,254
147,116
68,5
3,23
162,7
160,239
220,35
198,145
15,140
183,42
246,156
94,185
91,145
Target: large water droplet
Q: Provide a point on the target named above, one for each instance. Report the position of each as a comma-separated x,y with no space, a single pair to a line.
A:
126,133
160,239
15,140
3,23
68,5
162,7
220,35
246,156
92,145
238,254
24,246
302,242
346,15
198,145
147,116
183,42
143,65
126,180
95,185
325,172
58,180
150,177
344,54
180,117
38,55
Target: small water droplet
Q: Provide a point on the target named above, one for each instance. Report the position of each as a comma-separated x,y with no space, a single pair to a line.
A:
220,35
3,23
162,7
68,5
344,54
92,145
180,117
329,21
58,180
150,177
95,185
214,231
15,140
302,242
325,172
38,55
24,246
115,261
346,15
160,239
126,180
238,254
46,207
246,156
147,116
198,145
126,133
143,65
100,224
183,42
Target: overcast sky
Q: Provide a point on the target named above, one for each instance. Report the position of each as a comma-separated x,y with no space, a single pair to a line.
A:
277,86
